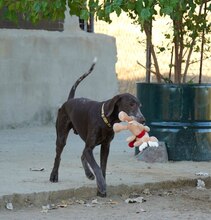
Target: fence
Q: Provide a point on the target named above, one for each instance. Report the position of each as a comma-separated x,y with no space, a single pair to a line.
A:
131,48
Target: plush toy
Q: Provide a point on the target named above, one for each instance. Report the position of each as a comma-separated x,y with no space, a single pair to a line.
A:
140,135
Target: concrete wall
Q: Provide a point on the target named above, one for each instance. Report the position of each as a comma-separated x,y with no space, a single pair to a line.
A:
38,68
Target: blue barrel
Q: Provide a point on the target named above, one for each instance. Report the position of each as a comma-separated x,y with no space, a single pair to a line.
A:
180,116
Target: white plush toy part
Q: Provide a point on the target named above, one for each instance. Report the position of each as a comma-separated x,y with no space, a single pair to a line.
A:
140,135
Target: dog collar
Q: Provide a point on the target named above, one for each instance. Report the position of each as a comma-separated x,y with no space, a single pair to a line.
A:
104,117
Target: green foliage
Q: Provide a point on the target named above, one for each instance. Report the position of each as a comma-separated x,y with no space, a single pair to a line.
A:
34,11
140,11
189,19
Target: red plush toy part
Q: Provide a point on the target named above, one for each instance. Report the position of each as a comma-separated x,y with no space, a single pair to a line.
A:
140,136
131,143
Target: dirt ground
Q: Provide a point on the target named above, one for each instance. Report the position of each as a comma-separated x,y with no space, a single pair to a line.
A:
186,203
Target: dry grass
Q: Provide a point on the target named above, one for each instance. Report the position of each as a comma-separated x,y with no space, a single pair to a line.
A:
129,51
129,85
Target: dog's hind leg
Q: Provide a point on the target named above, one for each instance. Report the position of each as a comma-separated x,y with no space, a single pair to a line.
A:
63,127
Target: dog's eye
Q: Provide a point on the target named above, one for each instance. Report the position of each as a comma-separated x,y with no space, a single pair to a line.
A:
132,104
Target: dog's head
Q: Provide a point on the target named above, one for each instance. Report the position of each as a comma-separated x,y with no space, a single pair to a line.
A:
127,103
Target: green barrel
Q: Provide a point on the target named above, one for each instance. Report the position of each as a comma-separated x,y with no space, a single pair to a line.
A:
180,116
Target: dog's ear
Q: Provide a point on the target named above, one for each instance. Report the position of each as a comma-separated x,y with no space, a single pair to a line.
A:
110,105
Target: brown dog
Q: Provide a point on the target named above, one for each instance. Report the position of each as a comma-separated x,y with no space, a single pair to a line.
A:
93,121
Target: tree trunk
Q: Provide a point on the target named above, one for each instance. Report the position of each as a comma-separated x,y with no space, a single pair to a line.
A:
202,46
157,69
178,45
148,32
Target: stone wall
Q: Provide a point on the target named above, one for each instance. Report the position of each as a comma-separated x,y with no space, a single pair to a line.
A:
38,68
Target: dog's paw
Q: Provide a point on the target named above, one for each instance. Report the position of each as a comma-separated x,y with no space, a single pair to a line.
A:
102,195
54,177
90,176
101,187
89,173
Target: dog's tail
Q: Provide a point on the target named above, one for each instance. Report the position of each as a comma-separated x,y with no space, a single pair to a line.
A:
73,89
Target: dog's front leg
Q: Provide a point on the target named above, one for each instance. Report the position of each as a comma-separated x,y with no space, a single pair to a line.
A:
104,152
87,170
88,154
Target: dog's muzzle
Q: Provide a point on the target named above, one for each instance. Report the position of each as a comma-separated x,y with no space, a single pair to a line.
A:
140,119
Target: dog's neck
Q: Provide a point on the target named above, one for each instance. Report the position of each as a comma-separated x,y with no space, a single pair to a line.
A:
105,119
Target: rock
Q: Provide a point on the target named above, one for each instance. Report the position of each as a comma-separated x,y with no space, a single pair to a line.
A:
9,206
154,154
135,200
200,184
